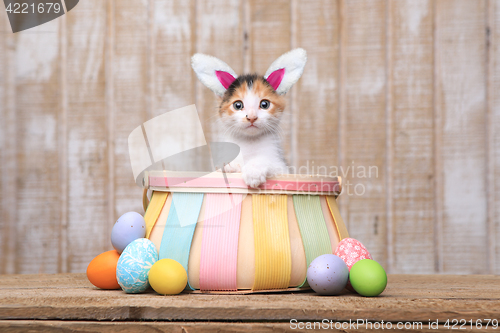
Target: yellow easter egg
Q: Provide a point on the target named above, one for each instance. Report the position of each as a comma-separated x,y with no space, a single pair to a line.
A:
168,277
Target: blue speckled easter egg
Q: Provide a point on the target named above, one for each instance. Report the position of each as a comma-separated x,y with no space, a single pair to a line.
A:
327,274
134,265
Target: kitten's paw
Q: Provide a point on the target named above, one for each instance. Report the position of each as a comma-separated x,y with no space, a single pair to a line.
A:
232,167
254,176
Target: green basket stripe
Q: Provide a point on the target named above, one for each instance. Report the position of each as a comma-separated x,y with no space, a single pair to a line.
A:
312,225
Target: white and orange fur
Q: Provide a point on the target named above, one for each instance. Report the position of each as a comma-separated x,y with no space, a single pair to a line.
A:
250,111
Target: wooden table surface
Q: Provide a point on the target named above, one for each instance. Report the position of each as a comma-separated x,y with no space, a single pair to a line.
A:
68,302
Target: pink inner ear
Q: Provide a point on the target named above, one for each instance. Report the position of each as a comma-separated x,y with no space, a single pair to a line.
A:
275,78
225,78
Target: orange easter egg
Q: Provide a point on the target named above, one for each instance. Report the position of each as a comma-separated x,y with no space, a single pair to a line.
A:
101,271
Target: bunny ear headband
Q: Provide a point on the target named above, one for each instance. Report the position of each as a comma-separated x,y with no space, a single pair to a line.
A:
281,75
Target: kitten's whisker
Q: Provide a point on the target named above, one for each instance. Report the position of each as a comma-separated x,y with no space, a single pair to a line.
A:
213,116
281,131
276,130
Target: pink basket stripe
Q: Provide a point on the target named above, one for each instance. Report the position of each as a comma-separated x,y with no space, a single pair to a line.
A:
219,244
286,185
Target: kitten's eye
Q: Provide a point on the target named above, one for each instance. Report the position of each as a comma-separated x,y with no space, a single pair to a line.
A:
265,104
238,105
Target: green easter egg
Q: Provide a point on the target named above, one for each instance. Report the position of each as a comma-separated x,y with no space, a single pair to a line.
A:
368,277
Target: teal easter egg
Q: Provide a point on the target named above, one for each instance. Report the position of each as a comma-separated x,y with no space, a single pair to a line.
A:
134,264
368,277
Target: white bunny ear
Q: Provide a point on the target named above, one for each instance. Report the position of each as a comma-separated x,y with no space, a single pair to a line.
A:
286,70
213,73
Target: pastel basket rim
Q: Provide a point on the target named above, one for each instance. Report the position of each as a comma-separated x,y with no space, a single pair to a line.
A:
218,182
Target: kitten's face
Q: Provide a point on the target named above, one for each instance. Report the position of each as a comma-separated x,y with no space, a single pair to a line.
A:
251,107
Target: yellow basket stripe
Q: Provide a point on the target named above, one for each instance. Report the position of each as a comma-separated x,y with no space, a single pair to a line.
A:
273,258
154,209
339,222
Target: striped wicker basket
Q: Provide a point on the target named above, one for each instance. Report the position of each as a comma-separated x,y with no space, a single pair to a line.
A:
233,239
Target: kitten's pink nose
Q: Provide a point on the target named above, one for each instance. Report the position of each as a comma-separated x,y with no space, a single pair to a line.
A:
252,119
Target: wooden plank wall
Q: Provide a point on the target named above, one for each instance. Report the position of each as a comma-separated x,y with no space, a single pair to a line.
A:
410,98
400,97
493,129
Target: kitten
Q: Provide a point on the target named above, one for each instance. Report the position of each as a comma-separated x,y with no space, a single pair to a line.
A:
250,111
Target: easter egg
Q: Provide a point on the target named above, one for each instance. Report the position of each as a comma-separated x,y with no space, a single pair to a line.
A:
101,271
351,251
168,277
134,265
327,274
129,227
368,277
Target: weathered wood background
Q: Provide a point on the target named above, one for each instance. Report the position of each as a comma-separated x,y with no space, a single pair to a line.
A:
410,87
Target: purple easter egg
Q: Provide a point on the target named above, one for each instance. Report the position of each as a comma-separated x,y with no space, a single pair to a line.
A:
327,274
129,227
